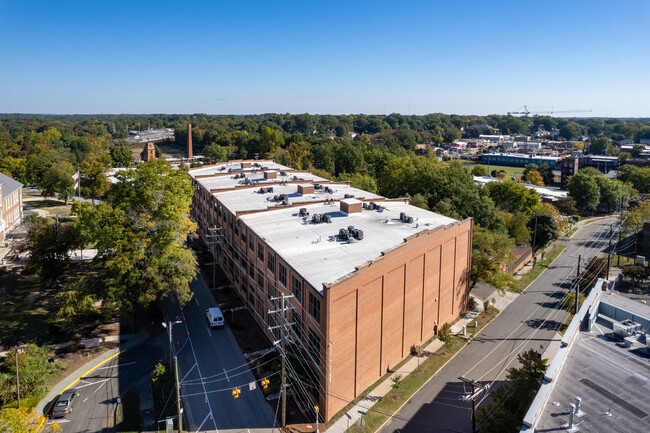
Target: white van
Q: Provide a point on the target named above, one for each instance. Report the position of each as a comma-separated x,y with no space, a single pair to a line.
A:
214,316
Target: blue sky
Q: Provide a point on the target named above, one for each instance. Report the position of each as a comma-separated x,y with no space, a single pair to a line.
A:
339,57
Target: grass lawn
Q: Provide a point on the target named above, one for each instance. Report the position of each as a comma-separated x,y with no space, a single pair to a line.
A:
572,231
410,384
540,267
51,206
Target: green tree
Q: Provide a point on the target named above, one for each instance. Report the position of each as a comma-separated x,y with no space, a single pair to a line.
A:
15,168
121,156
491,252
517,226
570,131
566,205
584,189
361,181
270,141
544,230
298,154
140,235
94,175
512,196
600,146
509,403
58,180
216,153
50,243
349,158
479,170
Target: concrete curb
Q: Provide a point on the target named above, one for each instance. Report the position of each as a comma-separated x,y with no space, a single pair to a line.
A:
44,406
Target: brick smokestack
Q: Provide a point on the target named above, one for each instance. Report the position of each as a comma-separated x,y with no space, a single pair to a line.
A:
189,141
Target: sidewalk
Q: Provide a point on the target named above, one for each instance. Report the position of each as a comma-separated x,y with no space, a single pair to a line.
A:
464,323
132,340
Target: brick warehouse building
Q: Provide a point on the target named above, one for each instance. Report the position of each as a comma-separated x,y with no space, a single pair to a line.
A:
359,304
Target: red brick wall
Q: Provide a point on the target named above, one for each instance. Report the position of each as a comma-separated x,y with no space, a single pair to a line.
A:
377,315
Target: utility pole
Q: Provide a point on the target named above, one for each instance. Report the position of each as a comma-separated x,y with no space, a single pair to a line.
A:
178,397
284,362
17,378
283,328
578,283
214,240
477,389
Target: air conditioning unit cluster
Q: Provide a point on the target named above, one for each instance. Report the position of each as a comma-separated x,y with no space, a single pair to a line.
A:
350,234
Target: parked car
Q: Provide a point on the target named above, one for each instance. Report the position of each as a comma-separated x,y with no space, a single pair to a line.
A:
63,404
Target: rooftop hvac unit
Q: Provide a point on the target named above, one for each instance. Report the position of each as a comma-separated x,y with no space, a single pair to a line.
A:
358,234
402,216
343,234
303,212
269,189
262,190
326,219
315,218
282,173
318,186
285,202
348,196
626,328
409,220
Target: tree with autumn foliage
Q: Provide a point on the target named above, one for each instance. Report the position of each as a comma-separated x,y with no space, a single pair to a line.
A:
25,420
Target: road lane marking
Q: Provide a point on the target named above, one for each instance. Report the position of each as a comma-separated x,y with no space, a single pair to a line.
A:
209,333
85,400
204,420
224,372
91,370
189,371
117,365
196,302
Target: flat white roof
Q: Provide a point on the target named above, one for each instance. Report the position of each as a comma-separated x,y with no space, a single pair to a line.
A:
236,166
251,199
314,250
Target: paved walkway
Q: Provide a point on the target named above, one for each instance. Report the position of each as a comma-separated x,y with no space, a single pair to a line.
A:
465,323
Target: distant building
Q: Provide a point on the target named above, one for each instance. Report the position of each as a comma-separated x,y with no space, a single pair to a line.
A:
11,213
148,153
572,164
517,159
369,278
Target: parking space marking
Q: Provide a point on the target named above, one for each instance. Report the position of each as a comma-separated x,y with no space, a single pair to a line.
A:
189,371
209,333
85,400
196,301
117,365
224,372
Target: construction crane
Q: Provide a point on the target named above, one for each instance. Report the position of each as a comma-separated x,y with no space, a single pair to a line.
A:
526,111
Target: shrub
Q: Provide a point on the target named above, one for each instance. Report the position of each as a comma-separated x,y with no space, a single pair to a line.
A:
444,334
471,304
397,380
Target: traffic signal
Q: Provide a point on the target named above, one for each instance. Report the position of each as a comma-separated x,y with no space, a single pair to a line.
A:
236,392
265,383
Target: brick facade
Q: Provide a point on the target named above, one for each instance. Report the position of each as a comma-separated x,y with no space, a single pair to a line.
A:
369,319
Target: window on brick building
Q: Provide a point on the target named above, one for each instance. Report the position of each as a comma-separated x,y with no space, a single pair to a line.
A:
282,275
270,262
297,325
260,253
296,289
314,307
251,244
314,347
260,280
260,307
270,288
251,268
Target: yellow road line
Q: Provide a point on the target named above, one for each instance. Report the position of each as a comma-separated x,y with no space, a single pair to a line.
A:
91,370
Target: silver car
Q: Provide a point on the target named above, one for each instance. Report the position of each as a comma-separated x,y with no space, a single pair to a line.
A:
63,404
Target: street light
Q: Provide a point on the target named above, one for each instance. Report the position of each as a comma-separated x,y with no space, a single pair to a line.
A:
168,326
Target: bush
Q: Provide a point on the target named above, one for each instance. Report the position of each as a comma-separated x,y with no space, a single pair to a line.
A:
397,380
471,304
486,304
444,334
34,368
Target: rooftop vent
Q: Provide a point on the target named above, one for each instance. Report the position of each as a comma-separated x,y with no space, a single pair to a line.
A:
405,218
303,212
350,234
351,205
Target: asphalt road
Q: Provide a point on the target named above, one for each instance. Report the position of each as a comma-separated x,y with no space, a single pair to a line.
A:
94,409
210,365
530,322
